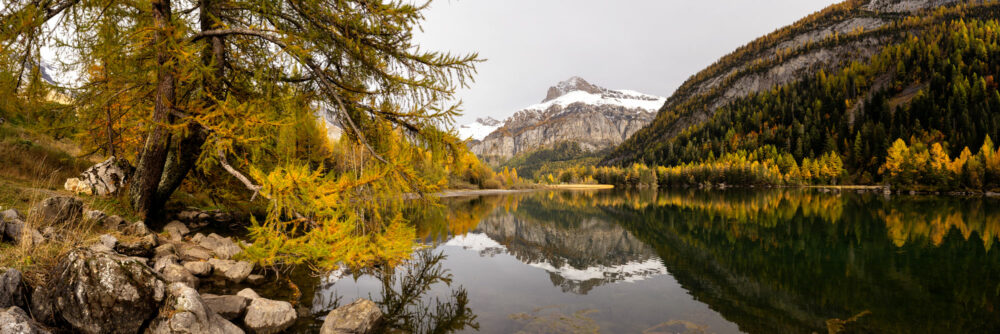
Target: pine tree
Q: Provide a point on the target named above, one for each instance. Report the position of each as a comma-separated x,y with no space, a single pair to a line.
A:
224,77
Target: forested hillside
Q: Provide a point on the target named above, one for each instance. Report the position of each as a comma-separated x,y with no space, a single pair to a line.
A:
930,81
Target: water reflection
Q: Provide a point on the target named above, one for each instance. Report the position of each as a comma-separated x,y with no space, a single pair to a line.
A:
761,261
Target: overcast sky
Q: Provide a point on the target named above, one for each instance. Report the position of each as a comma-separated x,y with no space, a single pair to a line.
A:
651,46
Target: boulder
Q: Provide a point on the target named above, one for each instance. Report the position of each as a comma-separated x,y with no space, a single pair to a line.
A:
94,215
143,247
14,320
13,290
100,293
234,271
13,230
186,312
107,177
187,215
164,250
229,307
113,222
255,279
163,261
265,316
58,210
223,247
11,214
18,231
138,229
109,241
176,230
360,317
75,186
189,252
175,273
199,268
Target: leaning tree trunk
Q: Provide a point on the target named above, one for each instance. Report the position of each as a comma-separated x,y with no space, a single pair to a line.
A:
181,160
154,153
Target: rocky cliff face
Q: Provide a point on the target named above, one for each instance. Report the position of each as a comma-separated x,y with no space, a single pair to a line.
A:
828,40
572,111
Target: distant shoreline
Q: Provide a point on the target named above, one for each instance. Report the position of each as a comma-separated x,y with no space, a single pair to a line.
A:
487,192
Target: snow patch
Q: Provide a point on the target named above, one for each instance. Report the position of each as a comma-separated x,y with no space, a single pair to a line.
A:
630,272
624,98
478,242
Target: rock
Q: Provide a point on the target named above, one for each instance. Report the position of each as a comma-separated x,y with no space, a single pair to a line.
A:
101,293
204,216
144,247
175,273
58,210
14,320
255,279
11,214
107,177
176,230
359,317
197,238
265,316
248,293
223,217
229,307
75,186
109,241
199,268
43,306
187,215
33,238
101,248
234,271
189,252
162,262
13,290
138,229
12,230
223,247
186,312
164,250
94,215
18,232
114,223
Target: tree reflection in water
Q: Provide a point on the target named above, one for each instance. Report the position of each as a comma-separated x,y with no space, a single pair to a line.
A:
402,298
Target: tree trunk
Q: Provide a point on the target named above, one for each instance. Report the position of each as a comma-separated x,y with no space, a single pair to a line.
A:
181,160
154,153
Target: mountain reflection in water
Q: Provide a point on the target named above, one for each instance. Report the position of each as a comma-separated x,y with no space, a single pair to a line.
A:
766,261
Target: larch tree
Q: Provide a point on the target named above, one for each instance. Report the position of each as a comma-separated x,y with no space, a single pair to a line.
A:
212,86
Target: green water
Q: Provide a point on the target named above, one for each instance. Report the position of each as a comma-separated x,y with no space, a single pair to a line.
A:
764,261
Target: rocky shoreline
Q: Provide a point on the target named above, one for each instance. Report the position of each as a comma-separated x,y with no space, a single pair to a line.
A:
146,282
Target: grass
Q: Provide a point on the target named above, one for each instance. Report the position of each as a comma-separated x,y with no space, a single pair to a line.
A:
34,167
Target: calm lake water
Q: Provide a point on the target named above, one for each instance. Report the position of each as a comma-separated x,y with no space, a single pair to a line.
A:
764,261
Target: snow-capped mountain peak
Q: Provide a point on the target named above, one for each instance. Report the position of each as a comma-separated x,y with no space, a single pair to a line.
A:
578,90
479,129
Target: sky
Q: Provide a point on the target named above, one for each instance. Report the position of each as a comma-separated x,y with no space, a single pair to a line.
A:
651,46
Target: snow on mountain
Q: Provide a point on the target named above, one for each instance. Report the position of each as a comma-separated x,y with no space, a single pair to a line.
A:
632,271
624,98
629,272
479,129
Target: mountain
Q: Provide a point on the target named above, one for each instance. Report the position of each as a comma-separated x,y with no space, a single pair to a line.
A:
592,253
479,129
573,111
849,80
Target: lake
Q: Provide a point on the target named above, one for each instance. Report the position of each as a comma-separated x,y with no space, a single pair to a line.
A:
750,261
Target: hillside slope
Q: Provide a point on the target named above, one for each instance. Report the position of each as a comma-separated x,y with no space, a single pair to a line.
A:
849,79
